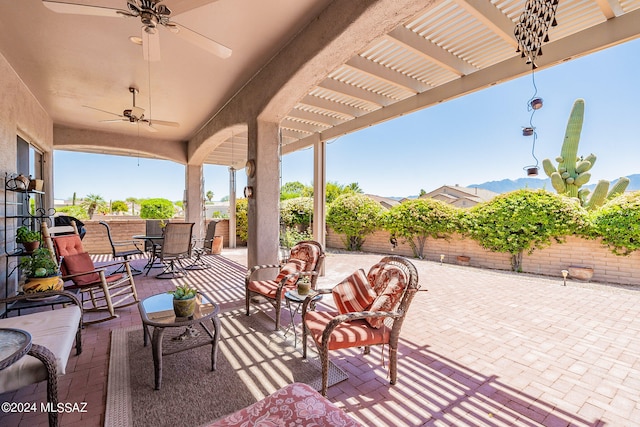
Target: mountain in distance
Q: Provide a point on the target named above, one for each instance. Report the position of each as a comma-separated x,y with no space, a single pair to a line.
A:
506,185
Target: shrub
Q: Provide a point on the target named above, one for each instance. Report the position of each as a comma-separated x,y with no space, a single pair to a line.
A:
355,216
525,220
618,223
415,220
74,211
156,209
297,211
291,237
119,206
242,221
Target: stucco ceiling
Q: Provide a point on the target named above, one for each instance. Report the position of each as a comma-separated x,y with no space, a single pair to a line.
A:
69,61
451,48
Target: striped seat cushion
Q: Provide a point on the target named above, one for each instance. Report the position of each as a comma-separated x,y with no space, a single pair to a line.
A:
354,293
292,266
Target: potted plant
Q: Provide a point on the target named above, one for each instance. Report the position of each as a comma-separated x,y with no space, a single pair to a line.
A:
42,272
184,300
463,259
304,285
30,239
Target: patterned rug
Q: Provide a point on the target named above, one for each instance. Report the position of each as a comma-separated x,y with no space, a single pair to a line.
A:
253,362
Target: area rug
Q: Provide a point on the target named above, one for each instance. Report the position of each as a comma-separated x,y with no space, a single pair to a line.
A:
253,362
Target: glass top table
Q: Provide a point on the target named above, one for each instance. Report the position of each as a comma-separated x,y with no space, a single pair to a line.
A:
203,328
14,343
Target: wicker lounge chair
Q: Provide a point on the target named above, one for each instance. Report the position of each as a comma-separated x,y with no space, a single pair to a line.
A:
384,295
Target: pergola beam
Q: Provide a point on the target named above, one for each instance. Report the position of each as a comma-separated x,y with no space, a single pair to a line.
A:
579,44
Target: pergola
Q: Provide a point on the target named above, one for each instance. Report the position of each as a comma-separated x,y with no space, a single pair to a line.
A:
301,73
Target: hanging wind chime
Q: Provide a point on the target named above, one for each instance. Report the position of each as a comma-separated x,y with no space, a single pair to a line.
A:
531,32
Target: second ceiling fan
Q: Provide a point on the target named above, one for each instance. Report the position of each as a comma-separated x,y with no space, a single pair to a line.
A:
136,115
152,14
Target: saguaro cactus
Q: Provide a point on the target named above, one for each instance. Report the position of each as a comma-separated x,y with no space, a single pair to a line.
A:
573,171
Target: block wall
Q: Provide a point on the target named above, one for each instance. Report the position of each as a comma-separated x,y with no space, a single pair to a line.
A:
608,268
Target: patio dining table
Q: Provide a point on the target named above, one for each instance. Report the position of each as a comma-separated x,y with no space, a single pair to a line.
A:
156,244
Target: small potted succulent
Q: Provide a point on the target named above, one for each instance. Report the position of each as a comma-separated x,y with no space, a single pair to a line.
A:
184,300
42,272
30,239
304,285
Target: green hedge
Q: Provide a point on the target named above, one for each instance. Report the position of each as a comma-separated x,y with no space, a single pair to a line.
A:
417,219
524,220
355,216
156,209
618,223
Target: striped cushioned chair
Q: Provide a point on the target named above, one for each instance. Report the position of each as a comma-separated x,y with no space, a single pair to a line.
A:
394,280
306,259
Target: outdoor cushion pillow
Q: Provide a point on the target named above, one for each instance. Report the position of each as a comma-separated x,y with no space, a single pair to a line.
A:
80,263
377,277
306,252
393,280
292,266
354,293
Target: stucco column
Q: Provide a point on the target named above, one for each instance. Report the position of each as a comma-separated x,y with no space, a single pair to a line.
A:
194,205
47,176
263,213
319,192
232,207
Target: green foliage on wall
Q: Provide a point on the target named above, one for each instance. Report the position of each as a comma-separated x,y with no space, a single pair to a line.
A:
355,216
74,211
242,222
524,220
156,209
297,212
618,223
417,219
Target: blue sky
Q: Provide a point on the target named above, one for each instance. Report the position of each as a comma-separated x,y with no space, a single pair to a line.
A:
469,140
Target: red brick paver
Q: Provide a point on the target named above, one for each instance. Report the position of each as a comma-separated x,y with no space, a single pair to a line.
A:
479,348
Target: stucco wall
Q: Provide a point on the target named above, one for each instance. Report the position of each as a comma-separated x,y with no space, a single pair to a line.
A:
608,268
20,114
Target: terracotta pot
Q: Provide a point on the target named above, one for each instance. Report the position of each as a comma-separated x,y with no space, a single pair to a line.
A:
29,247
581,273
216,245
184,307
463,259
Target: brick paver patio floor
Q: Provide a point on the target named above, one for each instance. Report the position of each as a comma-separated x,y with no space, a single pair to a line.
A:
478,348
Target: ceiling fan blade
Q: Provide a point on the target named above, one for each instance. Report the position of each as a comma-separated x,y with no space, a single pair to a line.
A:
150,45
164,123
81,9
104,111
199,40
114,121
148,127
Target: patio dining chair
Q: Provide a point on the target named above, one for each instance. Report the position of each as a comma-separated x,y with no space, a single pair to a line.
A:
370,311
202,247
176,247
306,259
124,249
107,291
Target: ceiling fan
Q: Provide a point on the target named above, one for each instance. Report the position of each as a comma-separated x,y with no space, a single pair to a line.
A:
135,115
152,14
